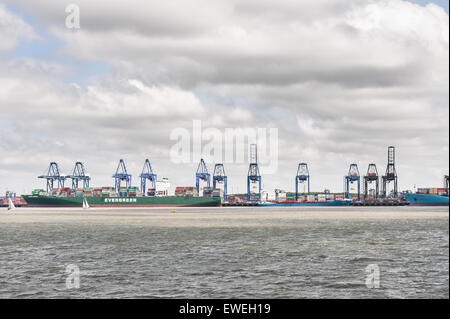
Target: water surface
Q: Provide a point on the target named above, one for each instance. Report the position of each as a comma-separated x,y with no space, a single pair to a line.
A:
225,252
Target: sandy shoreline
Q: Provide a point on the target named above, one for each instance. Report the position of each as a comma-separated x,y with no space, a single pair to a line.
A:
216,217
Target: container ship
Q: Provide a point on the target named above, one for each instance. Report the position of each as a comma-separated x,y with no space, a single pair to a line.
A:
166,201
126,197
288,199
428,197
306,203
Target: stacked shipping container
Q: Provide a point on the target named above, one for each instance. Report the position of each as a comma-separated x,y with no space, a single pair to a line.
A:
217,192
207,191
432,191
185,191
151,191
190,191
132,191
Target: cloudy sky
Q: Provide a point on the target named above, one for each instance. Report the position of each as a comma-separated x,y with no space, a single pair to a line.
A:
340,80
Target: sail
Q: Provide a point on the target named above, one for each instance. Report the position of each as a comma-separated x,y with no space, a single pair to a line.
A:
10,204
85,204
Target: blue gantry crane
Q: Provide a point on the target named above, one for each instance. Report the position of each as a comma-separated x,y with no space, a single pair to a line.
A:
253,176
352,177
219,177
302,177
121,175
52,174
147,174
202,174
79,175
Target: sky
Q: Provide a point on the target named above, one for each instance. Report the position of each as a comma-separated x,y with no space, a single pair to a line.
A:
326,82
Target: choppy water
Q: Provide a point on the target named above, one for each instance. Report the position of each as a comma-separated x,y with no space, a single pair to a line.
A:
225,253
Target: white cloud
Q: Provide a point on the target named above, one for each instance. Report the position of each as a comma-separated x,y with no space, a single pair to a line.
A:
13,28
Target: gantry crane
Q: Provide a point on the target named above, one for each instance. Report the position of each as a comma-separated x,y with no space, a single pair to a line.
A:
391,174
202,174
147,174
79,175
352,177
301,177
219,177
371,177
121,175
53,174
253,176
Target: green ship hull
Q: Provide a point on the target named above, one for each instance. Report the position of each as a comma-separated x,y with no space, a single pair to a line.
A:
167,201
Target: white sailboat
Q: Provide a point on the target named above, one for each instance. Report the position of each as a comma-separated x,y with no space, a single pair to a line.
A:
85,204
10,204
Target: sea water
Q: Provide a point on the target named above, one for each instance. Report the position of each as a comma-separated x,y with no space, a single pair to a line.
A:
285,252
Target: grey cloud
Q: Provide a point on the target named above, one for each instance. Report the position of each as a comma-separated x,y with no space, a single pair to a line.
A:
175,18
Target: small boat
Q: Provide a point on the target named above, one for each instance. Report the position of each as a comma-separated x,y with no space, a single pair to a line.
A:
85,204
10,204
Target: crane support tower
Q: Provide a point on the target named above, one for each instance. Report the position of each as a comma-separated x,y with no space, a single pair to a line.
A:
52,175
79,175
352,177
253,177
391,174
147,174
202,174
121,175
302,177
219,177
371,177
